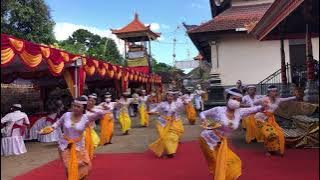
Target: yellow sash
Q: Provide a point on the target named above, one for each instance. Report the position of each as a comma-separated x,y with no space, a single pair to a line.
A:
73,173
88,142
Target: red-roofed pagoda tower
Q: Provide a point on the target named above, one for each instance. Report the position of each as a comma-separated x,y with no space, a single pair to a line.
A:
137,38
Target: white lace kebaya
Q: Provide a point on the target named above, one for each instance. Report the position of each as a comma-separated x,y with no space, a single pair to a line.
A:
218,114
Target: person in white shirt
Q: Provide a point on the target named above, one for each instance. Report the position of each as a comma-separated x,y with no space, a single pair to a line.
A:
12,134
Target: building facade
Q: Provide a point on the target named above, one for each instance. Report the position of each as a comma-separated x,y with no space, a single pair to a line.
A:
236,55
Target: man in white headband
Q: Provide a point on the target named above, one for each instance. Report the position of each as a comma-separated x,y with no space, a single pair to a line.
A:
248,100
272,88
15,126
17,105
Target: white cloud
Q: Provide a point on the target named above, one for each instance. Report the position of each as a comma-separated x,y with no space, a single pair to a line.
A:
154,26
63,30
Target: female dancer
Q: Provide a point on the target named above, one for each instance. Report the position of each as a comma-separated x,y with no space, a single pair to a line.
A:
222,162
93,113
107,122
144,116
169,126
249,123
198,93
124,117
71,148
190,110
271,132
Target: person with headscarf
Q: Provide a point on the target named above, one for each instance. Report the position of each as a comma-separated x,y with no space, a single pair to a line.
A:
169,126
249,122
219,123
142,108
272,133
124,118
15,124
189,108
198,93
71,146
107,121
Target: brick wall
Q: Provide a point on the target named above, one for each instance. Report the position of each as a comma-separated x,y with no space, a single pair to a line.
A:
27,96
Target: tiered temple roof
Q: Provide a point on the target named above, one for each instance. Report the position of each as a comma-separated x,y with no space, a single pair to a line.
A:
135,31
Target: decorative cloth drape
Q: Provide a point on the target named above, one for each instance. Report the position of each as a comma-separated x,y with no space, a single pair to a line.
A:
69,74
58,62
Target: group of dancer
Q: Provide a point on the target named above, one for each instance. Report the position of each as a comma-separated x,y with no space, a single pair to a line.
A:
79,139
258,119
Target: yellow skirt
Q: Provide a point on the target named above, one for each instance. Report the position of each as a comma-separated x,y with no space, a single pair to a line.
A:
95,138
222,162
91,140
273,134
84,163
107,126
168,140
191,113
144,116
252,130
125,121
88,141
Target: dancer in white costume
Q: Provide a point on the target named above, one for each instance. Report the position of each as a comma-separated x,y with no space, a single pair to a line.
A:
12,134
143,108
198,98
124,118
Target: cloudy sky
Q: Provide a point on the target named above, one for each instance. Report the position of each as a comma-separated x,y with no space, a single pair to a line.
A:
165,16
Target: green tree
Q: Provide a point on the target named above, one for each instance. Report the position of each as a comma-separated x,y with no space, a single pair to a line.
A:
162,67
85,42
112,53
27,19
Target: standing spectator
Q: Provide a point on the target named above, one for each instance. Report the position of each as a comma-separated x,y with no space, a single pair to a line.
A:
240,87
